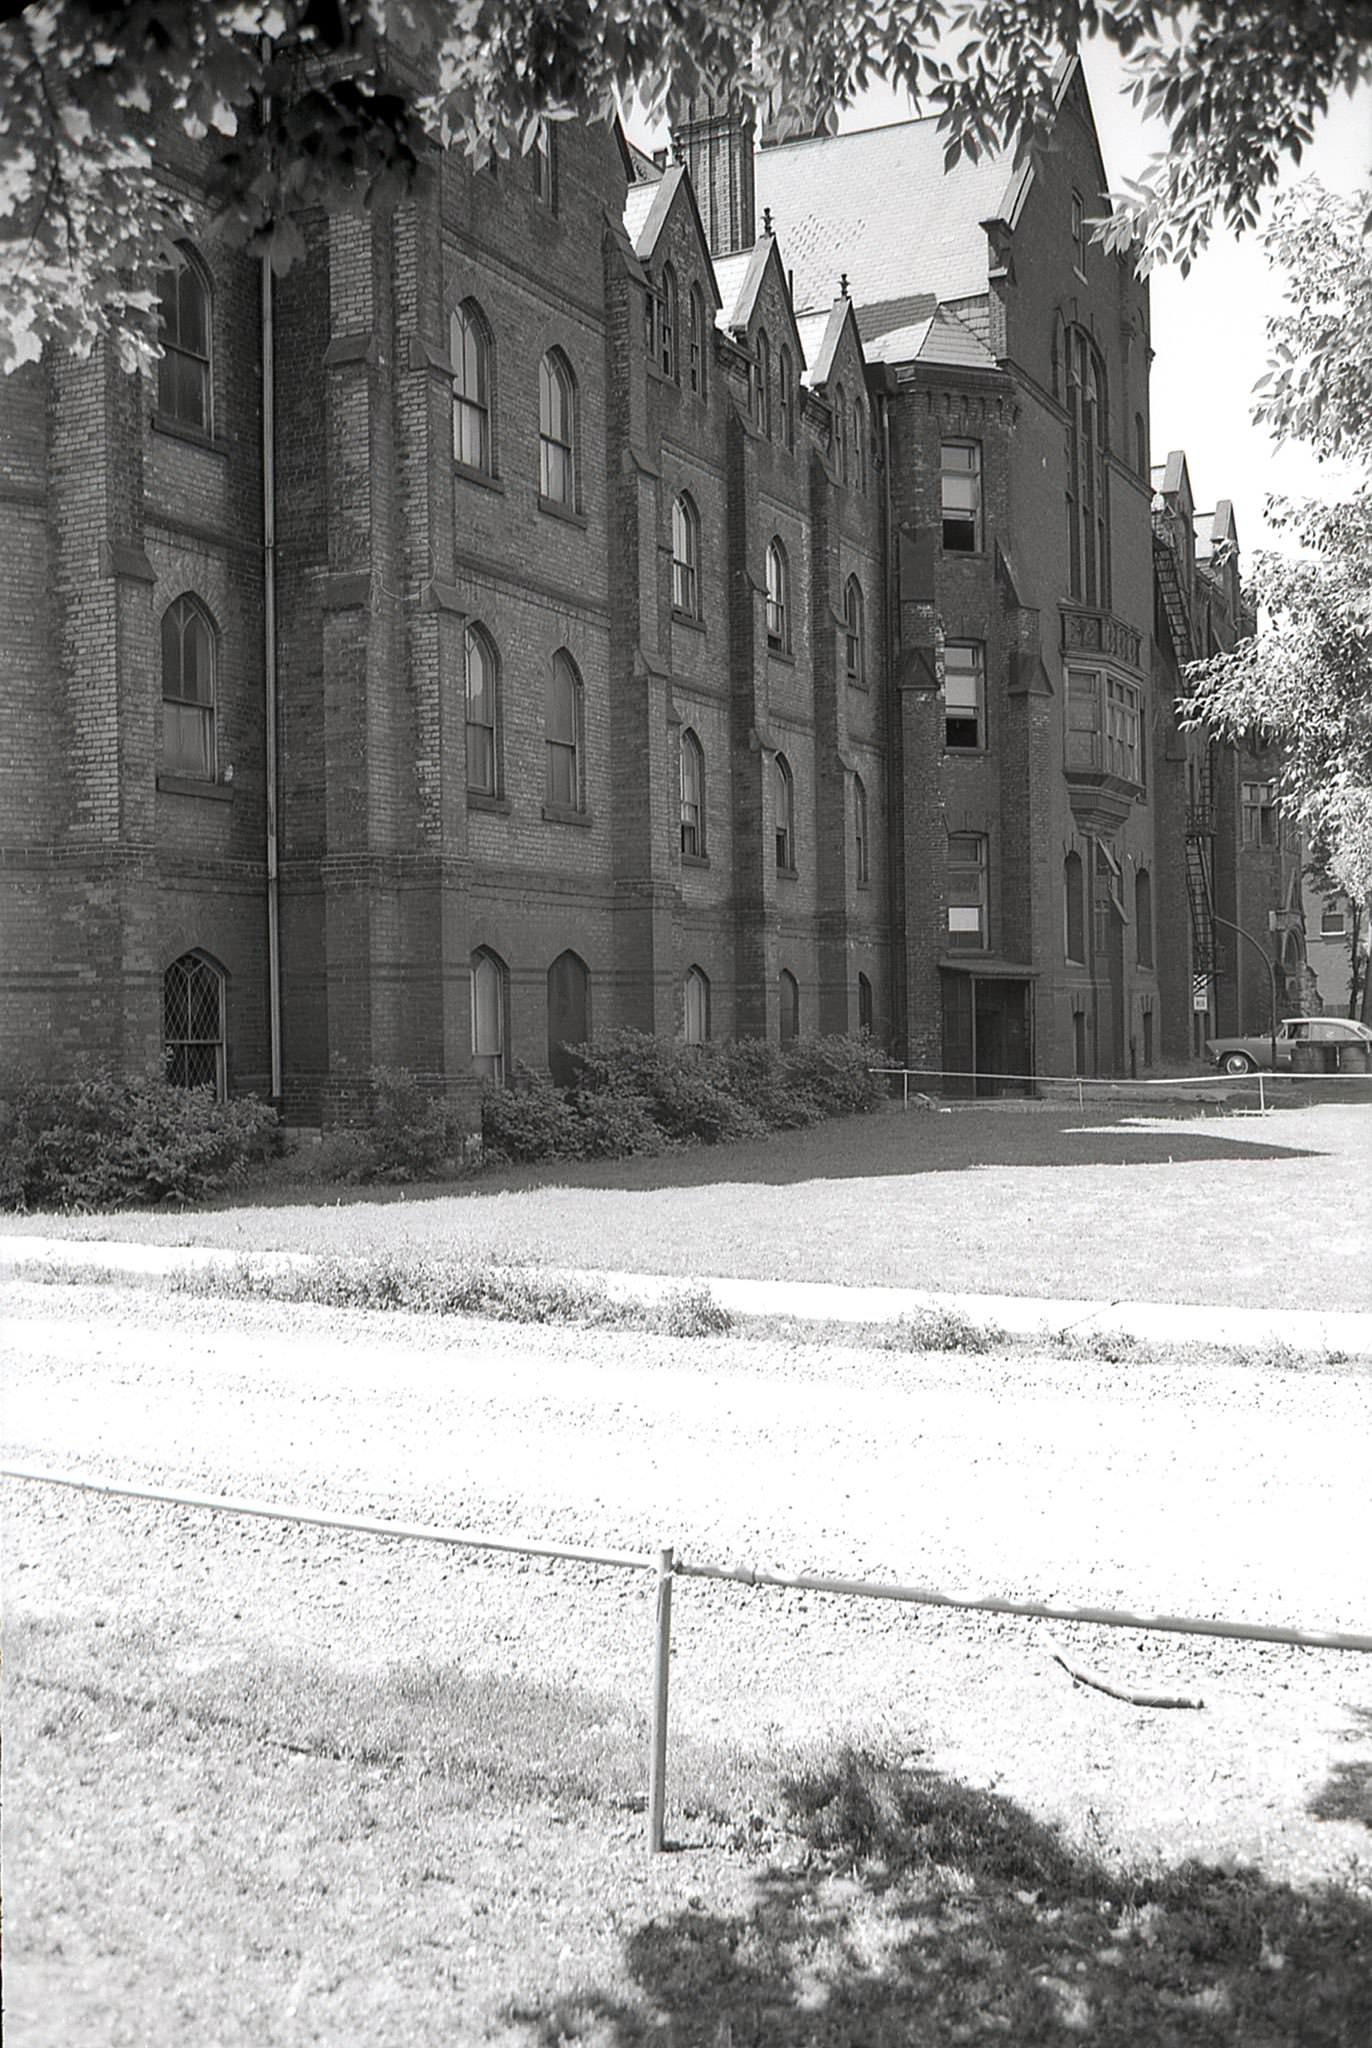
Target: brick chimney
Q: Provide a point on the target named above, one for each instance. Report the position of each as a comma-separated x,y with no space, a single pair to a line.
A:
713,137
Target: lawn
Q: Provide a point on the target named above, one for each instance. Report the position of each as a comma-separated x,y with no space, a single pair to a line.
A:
1273,1211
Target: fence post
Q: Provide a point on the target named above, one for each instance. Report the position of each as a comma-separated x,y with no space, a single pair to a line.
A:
1262,1094
662,1651
905,1088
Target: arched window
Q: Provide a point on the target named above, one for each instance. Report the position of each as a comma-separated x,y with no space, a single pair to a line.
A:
666,325
784,813
762,385
840,413
1087,436
859,445
1143,918
861,843
1074,894
695,1007
189,660
778,598
1141,447
483,712
786,383
686,557
697,329
562,733
185,330
788,1006
569,1014
469,345
854,633
543,153
865,1012
490,1008
692,796
193,1023
556,431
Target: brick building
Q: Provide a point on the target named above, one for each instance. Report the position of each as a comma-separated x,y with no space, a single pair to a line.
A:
714,596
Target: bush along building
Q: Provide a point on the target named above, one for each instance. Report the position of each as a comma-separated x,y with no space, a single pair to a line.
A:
713,595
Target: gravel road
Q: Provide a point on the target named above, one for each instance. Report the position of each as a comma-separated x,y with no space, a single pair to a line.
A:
1235,1491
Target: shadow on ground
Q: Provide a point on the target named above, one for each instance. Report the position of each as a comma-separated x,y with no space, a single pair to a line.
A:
924,1913
1347,1793
891,1143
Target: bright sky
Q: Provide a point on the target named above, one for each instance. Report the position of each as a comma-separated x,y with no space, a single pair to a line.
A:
1209,329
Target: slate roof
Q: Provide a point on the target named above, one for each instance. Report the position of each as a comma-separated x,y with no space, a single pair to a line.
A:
940,337
738,277
878,206
638,204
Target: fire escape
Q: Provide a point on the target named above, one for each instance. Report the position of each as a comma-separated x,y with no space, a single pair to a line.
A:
1200,807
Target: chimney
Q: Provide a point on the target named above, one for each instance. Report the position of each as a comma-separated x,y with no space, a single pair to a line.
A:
713,136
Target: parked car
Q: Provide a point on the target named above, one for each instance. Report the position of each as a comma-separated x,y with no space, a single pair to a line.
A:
1245,1055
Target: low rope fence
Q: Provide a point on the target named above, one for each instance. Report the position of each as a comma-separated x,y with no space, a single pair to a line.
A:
669,1567
1050,1087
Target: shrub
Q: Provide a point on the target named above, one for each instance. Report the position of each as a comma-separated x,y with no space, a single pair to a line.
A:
942,1329
681,1085
693,1312
755,1072
532,1120
100,1142
410,1132
834,1074
615,1126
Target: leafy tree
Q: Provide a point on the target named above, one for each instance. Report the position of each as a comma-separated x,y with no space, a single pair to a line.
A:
297,102
1326,884
1305,679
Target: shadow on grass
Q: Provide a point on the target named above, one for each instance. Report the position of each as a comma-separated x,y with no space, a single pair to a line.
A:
889,1143
925,1913
1347,1793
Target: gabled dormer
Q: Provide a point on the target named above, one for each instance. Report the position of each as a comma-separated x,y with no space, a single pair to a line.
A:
757,315
681,303
836,371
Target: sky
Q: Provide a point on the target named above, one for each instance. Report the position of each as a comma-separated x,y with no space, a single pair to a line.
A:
1209,328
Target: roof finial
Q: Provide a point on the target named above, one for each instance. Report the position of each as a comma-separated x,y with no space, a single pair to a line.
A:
843,285
766,220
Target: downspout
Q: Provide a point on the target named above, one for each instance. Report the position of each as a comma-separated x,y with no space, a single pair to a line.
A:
895,865
270,677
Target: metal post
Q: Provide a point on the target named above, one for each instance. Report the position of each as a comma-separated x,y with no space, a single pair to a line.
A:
1268,963
1081,1096
1262,1095
905,1087
662,1651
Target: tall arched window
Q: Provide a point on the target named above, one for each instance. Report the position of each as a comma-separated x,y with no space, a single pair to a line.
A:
695,1007
483,712
692,796
193,1023
865,1010
840,412
859,444
189,651
667,324
786,391
562,733
185,330
1087,506
854,633
762,385
569,1014
544,154
490,1007
557,430
861,840
788,1005
686,557
697,329
469,345
778,598
1143,918
784,813
1074,894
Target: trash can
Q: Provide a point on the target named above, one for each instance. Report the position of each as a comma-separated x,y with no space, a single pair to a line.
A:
1354,1059
1308,1058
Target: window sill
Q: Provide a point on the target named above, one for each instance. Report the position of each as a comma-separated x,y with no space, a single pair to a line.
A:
566,814
468,473
781,654
695,860
788,874
857,683
193,785
482,800
964,554
181,430
555,509
691,619
964,753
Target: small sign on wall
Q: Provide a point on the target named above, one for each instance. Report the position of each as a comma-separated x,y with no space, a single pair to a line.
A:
1200,992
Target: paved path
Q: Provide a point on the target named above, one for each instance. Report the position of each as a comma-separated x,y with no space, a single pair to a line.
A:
1334,1329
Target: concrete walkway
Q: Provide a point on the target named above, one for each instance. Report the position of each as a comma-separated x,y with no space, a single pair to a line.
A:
1347,1331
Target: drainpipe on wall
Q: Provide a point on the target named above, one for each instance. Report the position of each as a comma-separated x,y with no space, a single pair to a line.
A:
269,673
895,870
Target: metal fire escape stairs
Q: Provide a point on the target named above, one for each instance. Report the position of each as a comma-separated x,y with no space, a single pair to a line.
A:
1200,810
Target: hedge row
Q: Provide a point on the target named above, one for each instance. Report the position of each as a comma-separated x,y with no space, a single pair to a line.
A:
104,1143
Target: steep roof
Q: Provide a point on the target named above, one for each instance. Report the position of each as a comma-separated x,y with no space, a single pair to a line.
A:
879,206
939,337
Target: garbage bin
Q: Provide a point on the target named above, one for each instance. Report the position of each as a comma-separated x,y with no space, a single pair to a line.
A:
1354,1059
1308,1058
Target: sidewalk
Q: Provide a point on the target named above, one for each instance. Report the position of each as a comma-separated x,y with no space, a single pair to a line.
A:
1340,1330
